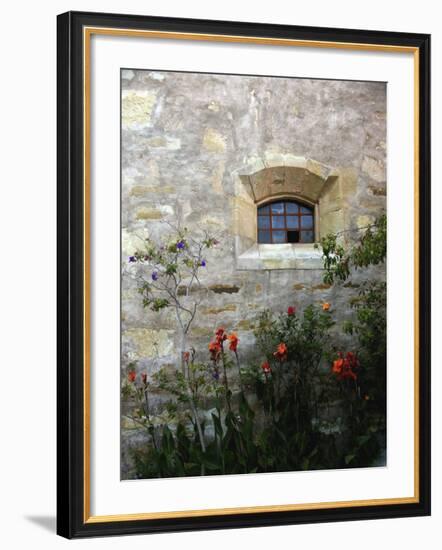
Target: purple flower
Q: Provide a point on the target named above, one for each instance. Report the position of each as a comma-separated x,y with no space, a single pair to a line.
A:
215,375
132,259
180,245
155,276
203,263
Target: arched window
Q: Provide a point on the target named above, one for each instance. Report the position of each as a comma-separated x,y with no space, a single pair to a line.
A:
285,221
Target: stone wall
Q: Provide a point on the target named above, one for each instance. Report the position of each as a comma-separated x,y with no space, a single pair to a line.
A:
200,148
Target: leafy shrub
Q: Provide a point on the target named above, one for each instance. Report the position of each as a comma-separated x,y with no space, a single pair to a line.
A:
364,391
370,249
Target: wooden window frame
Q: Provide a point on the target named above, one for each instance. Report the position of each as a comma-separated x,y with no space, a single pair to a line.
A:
284,215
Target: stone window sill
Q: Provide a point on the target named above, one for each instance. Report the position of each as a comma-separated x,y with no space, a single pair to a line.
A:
280,256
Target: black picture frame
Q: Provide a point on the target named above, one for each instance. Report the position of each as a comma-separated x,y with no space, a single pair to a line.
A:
71,519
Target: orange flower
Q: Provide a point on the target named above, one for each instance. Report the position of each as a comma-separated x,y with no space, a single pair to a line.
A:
233,339
215,350
326,306
266,368
281,352
131,376
337,366
214,346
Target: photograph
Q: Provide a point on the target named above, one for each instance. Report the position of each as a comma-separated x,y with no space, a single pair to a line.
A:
253,330
219,229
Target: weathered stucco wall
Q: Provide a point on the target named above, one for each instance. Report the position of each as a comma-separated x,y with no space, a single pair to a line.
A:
186,138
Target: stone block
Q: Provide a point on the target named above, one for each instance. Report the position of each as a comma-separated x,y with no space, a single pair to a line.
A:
319,169
216,310
224,288
374,168
332,222
144,213
244,215
146,190
149,343
362,222
164,142
348,180
137,107
213,141
377,191
131,241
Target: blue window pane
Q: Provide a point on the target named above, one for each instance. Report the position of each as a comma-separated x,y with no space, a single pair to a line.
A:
264,237
277,208
305,210
285,222
306,236
291,207
306,222
279,236
264,209
263,222
292,222
278,221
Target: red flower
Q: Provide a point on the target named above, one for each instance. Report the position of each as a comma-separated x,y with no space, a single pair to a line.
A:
186,356
345,368
291,310
220,335
281,352
131,376
215,350
144,377
266,368
233,339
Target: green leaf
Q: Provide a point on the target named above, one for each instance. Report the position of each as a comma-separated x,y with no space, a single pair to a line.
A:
362,439
217,425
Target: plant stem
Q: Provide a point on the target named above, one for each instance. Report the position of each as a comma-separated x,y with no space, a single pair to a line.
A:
146,399
191,397
239,371
226,384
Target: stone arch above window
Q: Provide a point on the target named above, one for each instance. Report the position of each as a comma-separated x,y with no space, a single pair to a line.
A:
288,178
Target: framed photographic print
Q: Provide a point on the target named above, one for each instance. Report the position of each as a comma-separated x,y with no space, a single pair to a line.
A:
243,274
